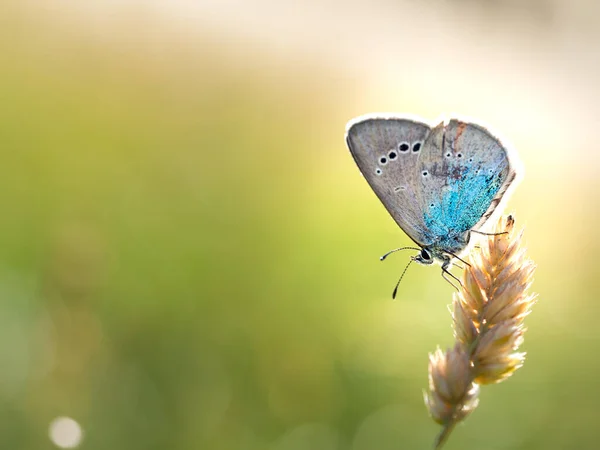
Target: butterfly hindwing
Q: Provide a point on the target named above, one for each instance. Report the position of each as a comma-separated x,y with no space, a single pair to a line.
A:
464,172
387,151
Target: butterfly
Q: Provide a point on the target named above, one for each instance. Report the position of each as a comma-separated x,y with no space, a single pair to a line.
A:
440,183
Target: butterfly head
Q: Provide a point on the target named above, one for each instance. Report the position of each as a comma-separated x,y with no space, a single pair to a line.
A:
425,257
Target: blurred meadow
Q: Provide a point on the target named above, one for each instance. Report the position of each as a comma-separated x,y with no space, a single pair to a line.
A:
189,257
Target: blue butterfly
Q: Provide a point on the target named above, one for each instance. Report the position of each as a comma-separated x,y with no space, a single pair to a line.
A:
439,183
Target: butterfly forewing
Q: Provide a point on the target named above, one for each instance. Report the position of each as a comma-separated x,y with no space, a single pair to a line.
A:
387,152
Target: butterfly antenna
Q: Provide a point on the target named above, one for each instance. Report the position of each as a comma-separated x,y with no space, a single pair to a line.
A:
397,250
400,279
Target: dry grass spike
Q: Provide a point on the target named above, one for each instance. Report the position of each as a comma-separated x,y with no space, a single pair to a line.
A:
488,314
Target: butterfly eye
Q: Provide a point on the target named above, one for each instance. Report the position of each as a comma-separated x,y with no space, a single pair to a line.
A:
425,255
392,155
378,171
403,147
416,147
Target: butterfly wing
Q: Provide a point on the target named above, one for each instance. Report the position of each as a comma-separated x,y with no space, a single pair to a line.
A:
464,173
387,150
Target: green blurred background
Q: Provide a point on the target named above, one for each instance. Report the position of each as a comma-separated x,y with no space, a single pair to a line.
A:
189,256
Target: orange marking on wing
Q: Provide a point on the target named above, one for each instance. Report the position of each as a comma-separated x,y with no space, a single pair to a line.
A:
460,130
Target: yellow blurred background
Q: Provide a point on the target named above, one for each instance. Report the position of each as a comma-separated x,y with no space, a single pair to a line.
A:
189,256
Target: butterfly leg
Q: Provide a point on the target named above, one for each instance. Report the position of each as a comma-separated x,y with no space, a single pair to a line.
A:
445,272
489,234
447,261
